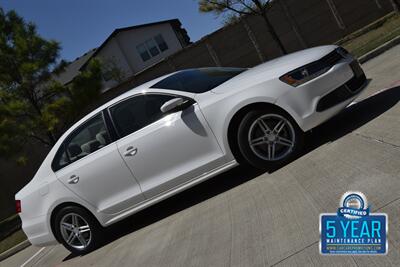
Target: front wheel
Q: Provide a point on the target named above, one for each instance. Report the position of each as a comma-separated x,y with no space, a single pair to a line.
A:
77,230
269,138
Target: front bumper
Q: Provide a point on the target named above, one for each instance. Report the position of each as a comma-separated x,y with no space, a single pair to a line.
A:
348,90
322,98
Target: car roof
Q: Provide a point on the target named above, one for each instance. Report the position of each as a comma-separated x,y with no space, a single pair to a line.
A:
143,88
139,89
146,87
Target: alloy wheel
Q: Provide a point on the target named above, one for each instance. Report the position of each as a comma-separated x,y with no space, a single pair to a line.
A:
75,231
271,137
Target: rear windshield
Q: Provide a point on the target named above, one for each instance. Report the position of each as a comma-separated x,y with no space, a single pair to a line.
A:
198,80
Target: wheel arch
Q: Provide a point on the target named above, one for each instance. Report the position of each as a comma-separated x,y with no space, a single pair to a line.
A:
60,206
236,119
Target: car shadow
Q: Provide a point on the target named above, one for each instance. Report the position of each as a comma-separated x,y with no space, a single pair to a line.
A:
347,121
353,118
350,119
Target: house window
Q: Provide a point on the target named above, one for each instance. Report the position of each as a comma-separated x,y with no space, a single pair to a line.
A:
107,75
152,47
144,54
161,42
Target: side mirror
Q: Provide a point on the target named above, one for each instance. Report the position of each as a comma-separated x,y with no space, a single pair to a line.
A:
175,104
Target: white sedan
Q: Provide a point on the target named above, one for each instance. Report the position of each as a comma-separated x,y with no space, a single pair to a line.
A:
177,131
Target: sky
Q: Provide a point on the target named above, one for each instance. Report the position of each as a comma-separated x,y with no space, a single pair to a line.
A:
80,25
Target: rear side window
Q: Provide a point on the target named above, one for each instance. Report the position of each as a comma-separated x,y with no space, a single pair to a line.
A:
88,138
198,80
137,112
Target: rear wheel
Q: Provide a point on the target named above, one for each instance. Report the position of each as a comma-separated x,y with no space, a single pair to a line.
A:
77,229
269,138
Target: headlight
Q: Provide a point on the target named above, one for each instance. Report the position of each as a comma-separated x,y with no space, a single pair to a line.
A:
313,70
305,74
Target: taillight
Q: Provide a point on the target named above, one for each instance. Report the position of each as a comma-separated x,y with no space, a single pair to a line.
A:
18,206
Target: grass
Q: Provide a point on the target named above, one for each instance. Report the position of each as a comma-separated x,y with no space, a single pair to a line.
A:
12,240
9,219
373,35
9,226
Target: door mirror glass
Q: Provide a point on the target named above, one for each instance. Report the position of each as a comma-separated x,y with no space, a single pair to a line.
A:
174,104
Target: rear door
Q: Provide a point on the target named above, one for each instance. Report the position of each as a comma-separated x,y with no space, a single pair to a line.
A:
163,151
90,165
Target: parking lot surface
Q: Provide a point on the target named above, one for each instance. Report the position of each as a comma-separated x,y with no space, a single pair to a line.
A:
245,218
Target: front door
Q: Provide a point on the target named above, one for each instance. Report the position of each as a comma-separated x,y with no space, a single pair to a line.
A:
92,167
163,151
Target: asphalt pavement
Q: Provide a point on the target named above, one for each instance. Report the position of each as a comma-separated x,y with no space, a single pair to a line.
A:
246,218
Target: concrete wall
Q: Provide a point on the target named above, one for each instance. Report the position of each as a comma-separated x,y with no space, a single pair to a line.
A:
299,24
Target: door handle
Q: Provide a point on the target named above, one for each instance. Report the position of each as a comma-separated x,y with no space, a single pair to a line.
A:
130,151
73,179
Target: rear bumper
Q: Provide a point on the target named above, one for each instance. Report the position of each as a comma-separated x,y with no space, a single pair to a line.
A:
320,99
39,231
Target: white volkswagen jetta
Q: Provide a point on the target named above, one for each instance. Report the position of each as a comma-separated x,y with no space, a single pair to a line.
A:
176,131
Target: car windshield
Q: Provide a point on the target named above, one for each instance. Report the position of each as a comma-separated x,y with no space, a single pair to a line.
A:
198,80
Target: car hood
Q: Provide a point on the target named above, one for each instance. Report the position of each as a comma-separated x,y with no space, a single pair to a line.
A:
275,68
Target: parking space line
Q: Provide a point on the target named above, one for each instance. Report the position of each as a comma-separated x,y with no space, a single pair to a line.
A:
31,258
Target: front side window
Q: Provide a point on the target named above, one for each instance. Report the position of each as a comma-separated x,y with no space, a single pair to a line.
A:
88,138
198,80
137,112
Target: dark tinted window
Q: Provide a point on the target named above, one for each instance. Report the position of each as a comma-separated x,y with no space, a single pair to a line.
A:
88,138
198,80
60,160
137,112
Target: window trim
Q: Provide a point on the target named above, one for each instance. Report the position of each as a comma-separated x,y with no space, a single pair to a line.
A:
147,51
118,135
157,46
163,40
62,147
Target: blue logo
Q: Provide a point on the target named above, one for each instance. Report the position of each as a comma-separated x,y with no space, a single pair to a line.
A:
353,229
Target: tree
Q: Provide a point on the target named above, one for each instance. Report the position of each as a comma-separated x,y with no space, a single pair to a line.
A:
242,8
396,5
111,70
33,106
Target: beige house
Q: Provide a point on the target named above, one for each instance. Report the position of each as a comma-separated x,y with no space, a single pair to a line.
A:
131,50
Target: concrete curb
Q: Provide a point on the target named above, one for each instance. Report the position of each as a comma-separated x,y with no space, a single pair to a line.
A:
14,250
379,50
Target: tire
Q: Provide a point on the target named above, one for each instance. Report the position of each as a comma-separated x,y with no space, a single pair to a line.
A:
270,148
83,239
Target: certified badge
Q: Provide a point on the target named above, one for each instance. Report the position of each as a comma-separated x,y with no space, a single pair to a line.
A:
353,229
